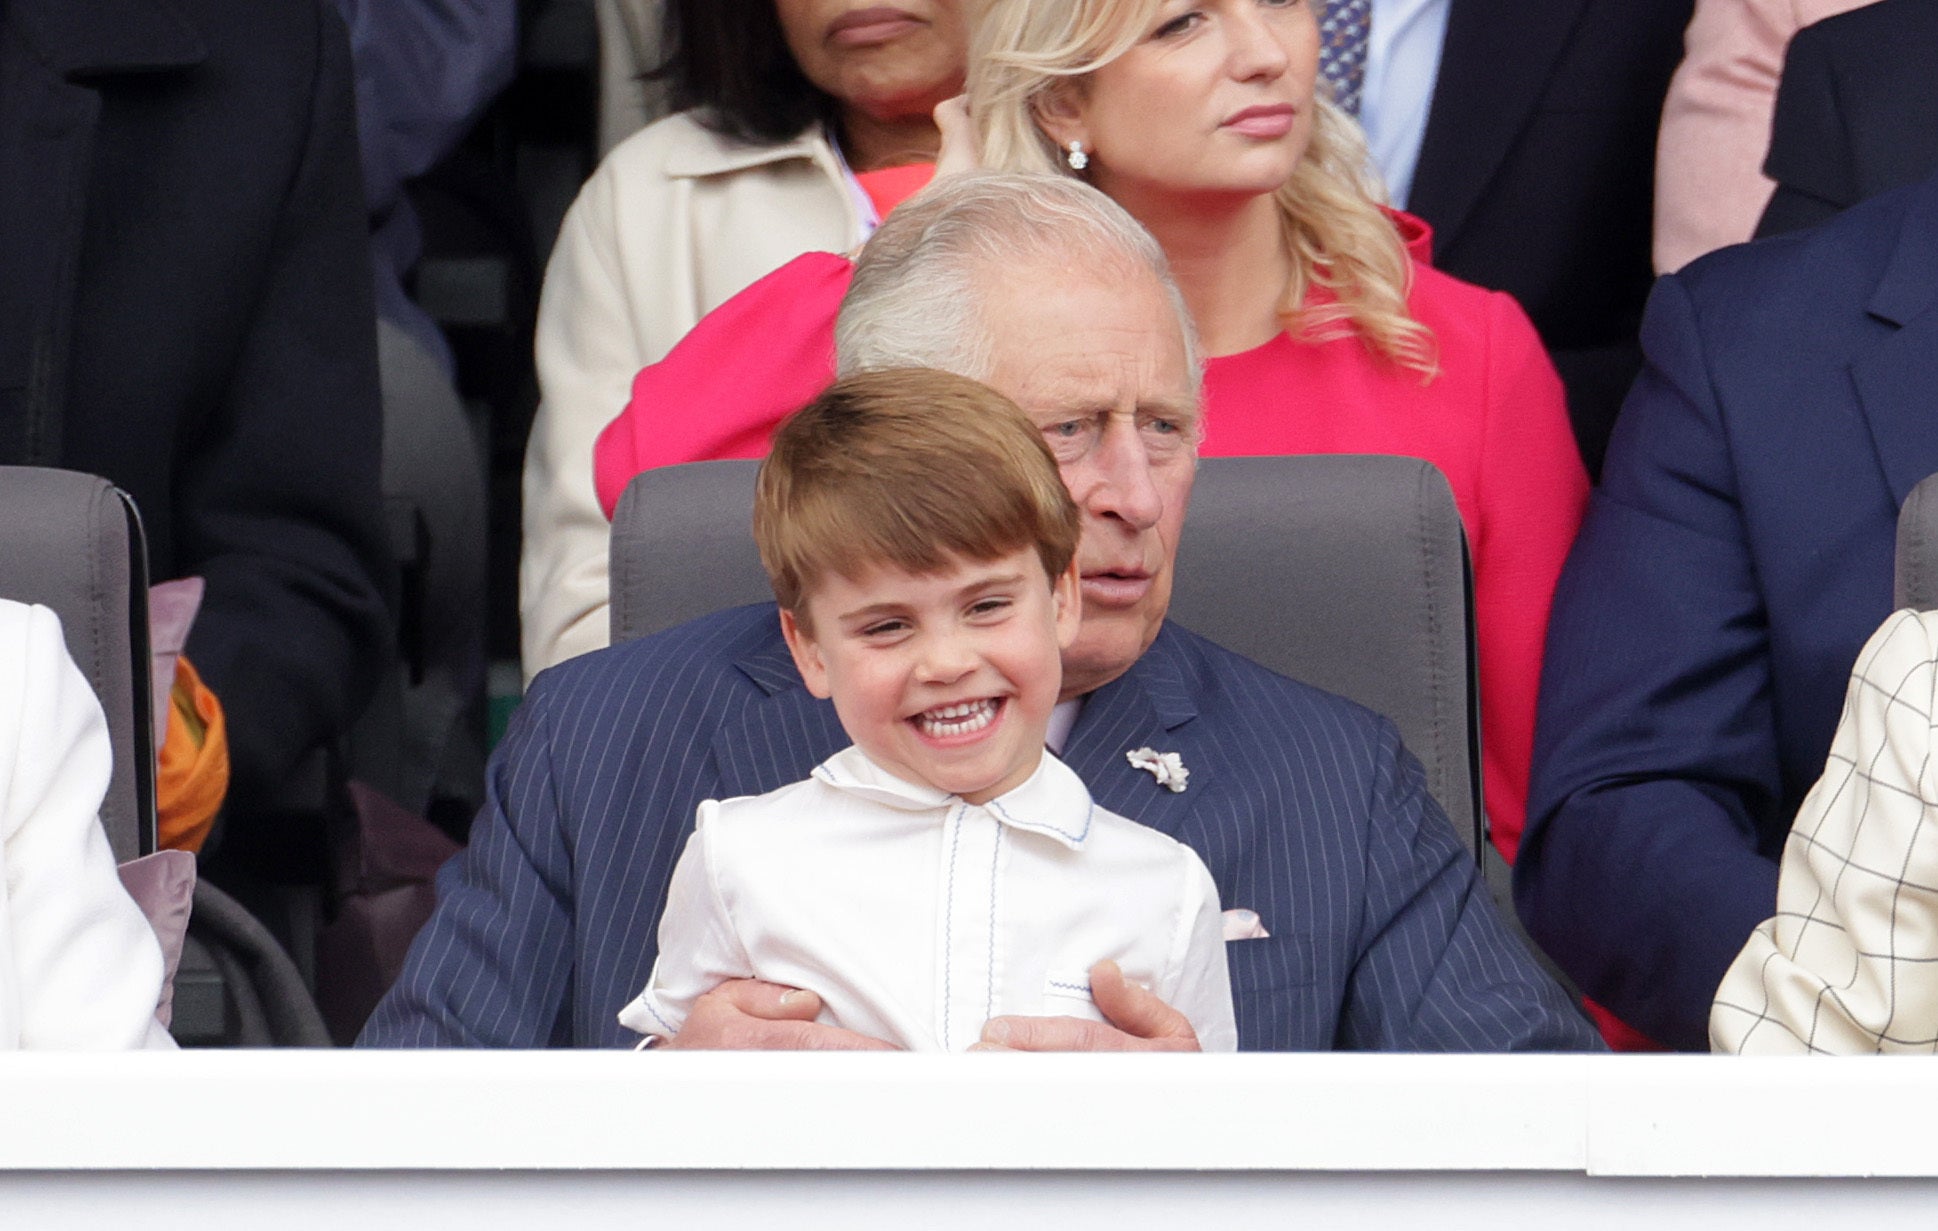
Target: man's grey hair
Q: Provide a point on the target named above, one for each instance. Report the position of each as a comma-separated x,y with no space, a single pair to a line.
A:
917,295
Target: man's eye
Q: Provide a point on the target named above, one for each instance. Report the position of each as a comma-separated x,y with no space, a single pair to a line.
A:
1069,429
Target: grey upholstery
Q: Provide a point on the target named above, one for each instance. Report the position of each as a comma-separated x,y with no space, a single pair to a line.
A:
1346,572
1917,559
422,738
72,543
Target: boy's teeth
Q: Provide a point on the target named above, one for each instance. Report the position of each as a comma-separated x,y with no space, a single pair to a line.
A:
958,719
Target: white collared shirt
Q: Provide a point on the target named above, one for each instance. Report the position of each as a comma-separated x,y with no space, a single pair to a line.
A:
917,916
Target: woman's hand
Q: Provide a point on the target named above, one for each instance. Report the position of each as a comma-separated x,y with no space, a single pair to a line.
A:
960,151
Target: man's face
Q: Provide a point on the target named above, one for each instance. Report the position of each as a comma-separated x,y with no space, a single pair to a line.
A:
1100,366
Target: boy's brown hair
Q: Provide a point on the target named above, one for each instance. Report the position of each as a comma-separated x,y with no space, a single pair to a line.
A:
906,468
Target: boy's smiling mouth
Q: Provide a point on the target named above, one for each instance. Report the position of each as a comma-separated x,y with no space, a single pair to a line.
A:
958,718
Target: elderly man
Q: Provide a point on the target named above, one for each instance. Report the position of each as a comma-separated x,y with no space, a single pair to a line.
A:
1306,808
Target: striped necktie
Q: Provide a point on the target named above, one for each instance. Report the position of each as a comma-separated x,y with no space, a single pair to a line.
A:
1342,49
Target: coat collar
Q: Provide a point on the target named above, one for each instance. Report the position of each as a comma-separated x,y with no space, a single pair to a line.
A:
1052,802
106,37
1894,379
695,151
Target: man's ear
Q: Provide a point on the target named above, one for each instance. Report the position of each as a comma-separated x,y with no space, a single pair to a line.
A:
807,655
1067,593
1058,111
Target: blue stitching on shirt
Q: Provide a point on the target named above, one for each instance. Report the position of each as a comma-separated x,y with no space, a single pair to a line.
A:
1074,837
1071,987
948,921
995,856
647,1005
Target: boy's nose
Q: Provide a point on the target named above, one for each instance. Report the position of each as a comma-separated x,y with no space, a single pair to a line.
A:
945,660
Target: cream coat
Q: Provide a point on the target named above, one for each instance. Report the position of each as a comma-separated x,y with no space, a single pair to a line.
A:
675,221
79,966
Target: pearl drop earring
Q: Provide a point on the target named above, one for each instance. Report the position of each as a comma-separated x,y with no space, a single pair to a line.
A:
1078,159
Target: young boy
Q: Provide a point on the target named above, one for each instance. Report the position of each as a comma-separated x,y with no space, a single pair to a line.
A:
945,869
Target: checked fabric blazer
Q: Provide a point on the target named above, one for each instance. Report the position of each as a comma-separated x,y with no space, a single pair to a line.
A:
1305,807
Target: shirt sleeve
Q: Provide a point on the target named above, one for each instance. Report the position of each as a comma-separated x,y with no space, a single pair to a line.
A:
1200,986
698,947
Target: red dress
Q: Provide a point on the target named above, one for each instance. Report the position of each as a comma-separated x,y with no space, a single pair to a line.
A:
1493,420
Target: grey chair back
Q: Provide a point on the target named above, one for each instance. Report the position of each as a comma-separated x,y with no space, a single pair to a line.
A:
72,542
1916,582
1346,572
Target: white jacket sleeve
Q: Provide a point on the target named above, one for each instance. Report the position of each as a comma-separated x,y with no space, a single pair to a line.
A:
80,968
1849,963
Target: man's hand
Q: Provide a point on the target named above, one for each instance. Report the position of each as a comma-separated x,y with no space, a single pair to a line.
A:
748,1015
1139,1021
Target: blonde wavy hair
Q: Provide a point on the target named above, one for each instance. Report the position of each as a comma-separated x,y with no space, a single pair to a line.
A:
1019,50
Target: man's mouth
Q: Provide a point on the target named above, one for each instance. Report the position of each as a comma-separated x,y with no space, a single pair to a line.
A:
958,718
1116,587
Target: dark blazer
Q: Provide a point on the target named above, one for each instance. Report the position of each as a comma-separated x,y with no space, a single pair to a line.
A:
185,309
1304,806
1737,555
1856,113
1537,173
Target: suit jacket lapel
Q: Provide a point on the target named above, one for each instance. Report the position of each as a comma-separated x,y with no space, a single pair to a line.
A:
1497,60
1897,380
779,737
1149,706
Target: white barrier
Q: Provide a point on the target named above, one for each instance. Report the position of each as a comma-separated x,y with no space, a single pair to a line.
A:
359,1140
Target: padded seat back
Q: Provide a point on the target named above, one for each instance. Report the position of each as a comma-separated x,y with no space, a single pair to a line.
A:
73,543
1346,572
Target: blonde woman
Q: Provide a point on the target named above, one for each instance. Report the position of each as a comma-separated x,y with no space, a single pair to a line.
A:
1327,329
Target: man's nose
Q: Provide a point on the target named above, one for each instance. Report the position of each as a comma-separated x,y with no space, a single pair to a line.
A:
1122,485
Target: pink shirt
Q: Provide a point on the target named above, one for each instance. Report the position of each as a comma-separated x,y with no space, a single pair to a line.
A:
1494,421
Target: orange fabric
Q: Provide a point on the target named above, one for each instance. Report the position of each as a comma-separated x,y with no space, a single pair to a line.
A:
192,772
891,186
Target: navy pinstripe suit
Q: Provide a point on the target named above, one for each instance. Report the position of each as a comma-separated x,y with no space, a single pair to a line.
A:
1305,807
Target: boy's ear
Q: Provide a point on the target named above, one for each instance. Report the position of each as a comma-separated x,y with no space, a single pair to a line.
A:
807,655
1067,593
1058,111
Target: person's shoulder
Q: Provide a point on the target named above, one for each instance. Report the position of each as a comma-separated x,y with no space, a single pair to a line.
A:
685,144
737,652
1255,701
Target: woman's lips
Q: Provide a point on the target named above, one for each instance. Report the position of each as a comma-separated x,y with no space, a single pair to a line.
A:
1268,121
870,27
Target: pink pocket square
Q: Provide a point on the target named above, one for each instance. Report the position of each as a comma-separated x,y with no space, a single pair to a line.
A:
1242,924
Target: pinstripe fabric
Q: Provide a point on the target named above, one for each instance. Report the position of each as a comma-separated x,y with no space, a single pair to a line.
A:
1304,806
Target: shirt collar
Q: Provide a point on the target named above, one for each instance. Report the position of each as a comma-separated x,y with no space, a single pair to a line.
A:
695,152
1053,801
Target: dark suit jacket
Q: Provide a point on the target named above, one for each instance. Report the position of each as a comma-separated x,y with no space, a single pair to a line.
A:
1856,113
1537,173
185,309
1736,556
1304,806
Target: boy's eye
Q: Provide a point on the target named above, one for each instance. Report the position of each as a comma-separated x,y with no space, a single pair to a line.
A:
883,628
988,605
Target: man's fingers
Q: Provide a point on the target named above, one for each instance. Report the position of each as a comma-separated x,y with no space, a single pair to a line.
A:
748,1015
1136,1010
959,151
1139,1021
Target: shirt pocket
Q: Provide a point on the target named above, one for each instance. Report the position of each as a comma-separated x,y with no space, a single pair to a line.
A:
1066,993
1275,994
